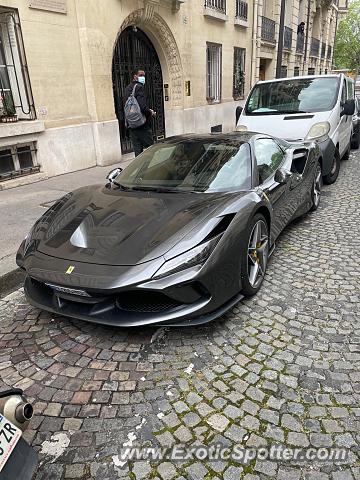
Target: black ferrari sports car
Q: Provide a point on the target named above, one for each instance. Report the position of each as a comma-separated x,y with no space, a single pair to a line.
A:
177,237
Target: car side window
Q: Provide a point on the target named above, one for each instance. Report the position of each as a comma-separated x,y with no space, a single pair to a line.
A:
269,157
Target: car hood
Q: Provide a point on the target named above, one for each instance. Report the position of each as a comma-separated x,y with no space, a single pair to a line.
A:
113,227
291,127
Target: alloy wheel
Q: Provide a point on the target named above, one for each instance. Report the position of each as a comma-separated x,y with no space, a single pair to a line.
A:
258,250
317,188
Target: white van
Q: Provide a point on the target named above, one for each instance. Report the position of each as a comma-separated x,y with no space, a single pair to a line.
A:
305,108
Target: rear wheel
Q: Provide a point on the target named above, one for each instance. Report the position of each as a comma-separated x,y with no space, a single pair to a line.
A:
334,173
255,256
316,190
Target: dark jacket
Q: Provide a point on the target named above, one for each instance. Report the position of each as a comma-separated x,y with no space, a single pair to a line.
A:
141,97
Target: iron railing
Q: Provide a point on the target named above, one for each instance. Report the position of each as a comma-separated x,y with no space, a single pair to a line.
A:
300,43
267,29
15,90
287,38
329,52
218,5
323,49
241,10
314,47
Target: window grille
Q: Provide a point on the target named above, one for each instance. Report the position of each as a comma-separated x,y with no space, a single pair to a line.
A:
239,72
241,10
218,5
268,29
15,89
18,160
213,91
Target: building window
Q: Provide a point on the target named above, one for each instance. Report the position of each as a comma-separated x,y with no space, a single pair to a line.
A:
296,71
239,72
213,74
311,71
283,72
218,5
16,100
17,160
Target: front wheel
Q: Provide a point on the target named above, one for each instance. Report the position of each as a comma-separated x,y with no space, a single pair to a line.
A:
255,256
316,189
334,173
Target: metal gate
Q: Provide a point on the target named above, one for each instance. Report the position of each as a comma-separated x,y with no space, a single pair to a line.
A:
134,50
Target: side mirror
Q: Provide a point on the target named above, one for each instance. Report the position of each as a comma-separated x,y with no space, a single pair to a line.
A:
281,176
348,107
113,174
238,113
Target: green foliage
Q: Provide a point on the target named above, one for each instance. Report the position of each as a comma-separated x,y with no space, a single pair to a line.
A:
8,108
347,46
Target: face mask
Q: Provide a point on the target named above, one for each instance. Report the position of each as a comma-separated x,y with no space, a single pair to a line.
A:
141,80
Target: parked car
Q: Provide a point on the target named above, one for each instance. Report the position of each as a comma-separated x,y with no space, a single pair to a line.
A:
305,108
178,237
355,136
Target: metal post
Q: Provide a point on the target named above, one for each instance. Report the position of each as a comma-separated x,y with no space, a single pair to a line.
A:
281,40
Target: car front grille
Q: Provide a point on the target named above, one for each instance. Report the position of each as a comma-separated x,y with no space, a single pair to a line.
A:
143,302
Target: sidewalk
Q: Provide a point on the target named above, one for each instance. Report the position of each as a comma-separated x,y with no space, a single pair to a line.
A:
22,206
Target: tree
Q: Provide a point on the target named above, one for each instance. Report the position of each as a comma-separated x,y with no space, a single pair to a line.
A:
347,45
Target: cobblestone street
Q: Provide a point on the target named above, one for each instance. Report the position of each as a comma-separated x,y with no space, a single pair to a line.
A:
282,367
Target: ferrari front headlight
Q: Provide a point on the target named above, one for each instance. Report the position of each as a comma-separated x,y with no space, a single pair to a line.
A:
318,130
196,256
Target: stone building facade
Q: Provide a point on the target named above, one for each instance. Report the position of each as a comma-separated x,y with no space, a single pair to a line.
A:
64,65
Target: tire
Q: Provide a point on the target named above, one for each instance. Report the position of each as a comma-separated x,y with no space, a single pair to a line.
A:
355,143
334,173
254,254
316,189
347,152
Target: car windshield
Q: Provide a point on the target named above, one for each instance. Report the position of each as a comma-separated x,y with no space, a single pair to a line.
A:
303,95
190,165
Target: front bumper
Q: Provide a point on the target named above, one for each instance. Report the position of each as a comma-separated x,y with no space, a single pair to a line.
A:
103,294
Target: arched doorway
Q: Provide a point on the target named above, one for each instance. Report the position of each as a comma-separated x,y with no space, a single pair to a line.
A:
135,50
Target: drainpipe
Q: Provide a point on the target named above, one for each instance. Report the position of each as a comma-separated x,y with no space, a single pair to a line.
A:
306,34
254,42
281,40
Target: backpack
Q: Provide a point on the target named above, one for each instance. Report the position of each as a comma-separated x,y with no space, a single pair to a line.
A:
134,117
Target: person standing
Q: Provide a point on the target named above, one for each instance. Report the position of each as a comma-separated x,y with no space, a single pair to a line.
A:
141,137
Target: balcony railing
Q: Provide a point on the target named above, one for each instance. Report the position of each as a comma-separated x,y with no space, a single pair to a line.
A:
287,38
241,10
314,47
329,52
323,49
218,5
300,43
267,29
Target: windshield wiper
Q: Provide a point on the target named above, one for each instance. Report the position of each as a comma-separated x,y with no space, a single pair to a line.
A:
291,111
156,189
121,187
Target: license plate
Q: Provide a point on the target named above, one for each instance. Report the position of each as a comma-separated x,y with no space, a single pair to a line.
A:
9,436
71,291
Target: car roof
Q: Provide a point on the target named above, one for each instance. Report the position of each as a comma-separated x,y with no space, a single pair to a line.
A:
242,137
210,137
300,77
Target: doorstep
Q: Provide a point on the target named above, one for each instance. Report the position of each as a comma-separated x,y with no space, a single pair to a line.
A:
23,180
